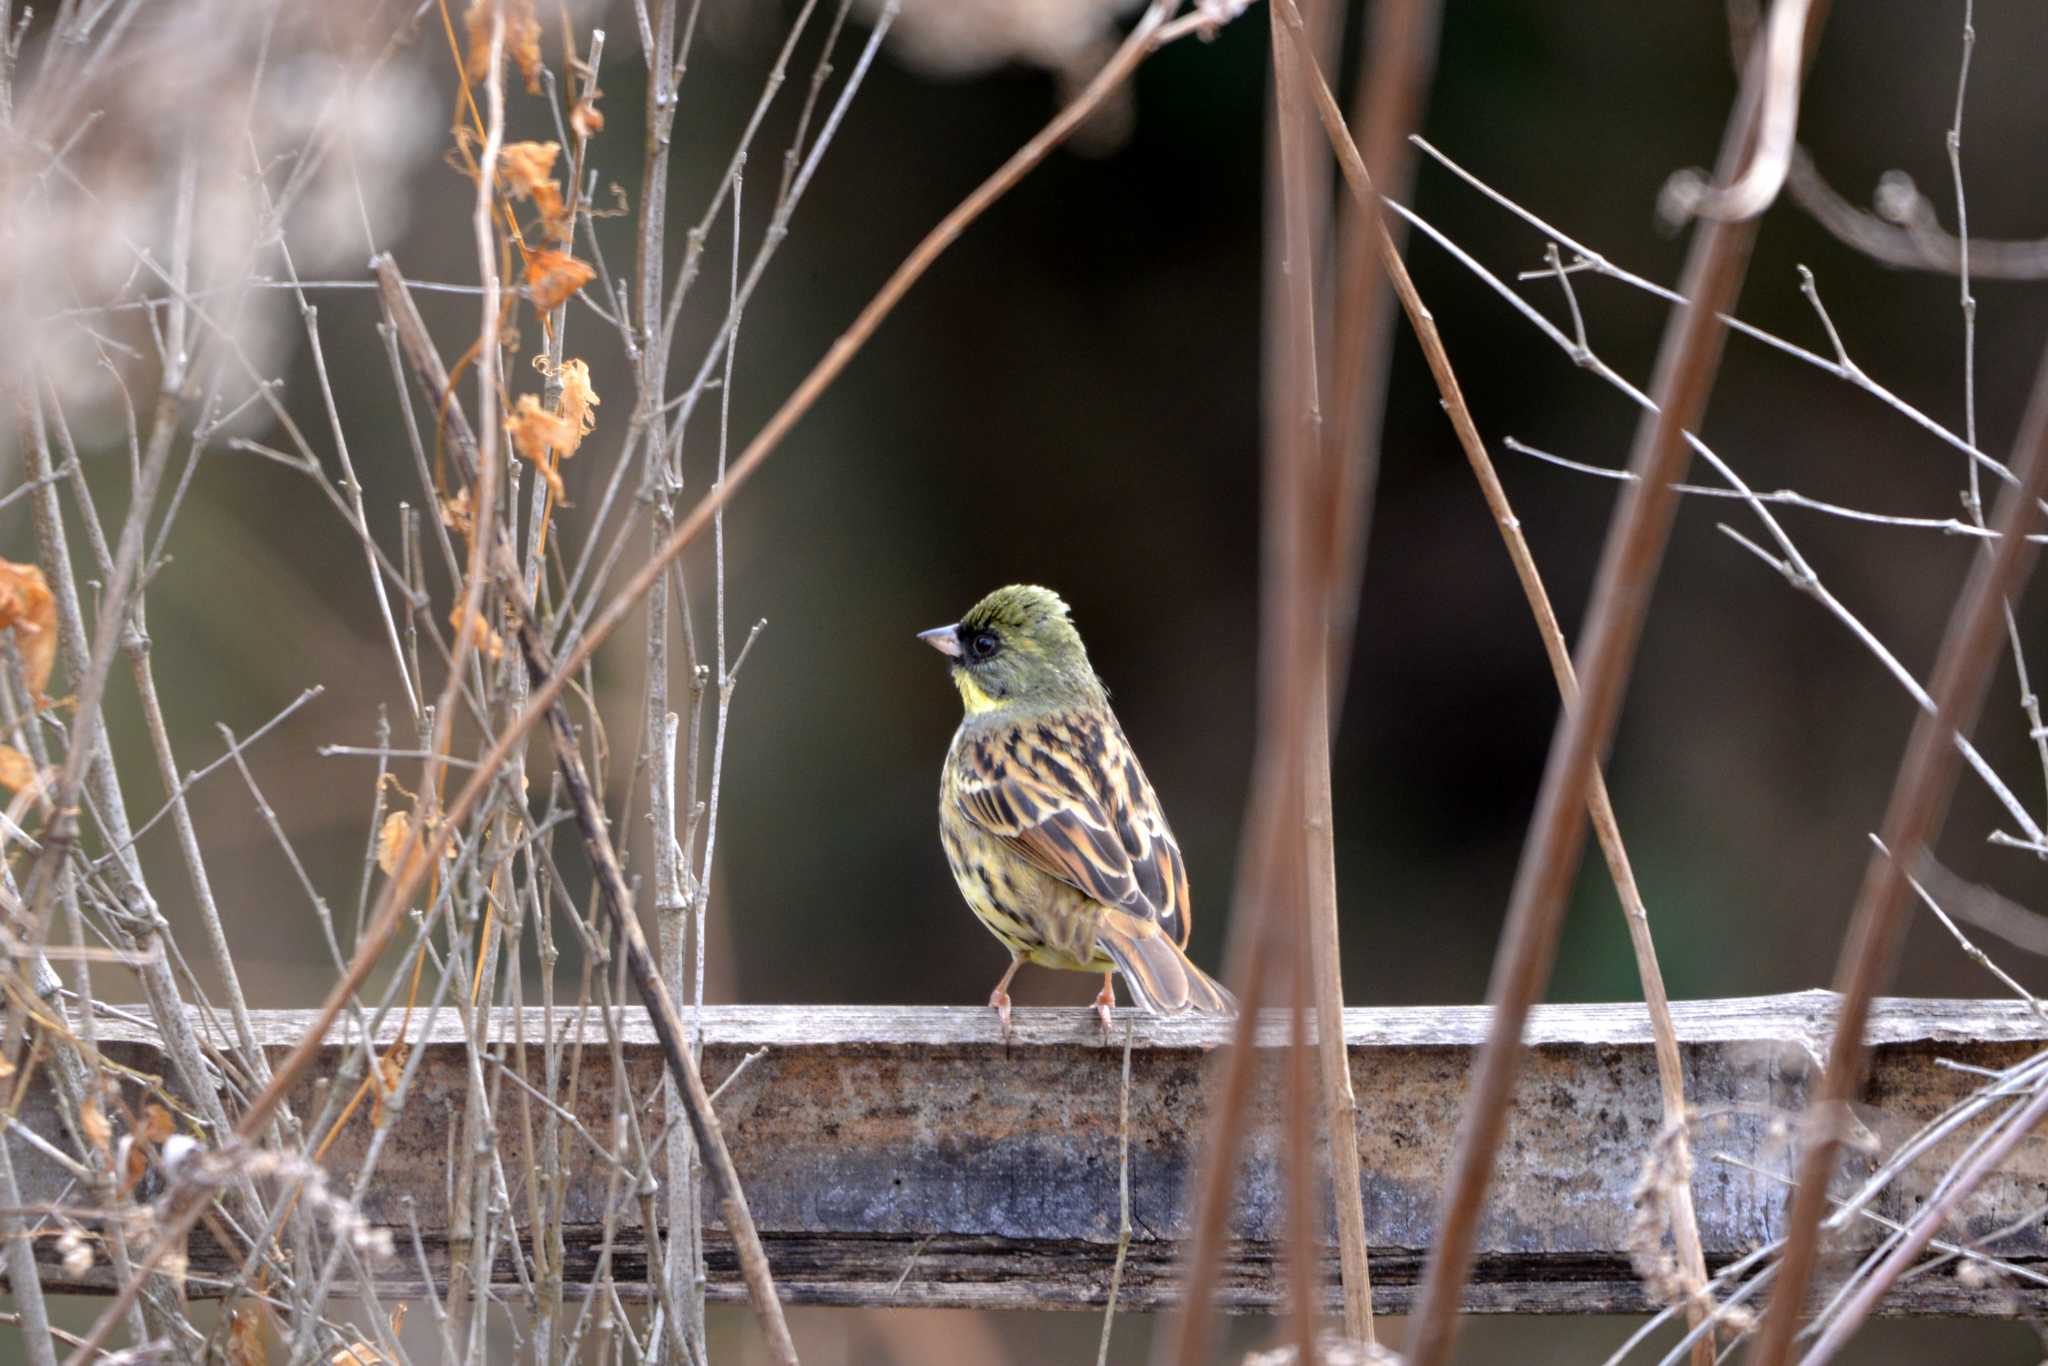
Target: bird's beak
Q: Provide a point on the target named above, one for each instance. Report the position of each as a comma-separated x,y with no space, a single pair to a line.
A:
944,639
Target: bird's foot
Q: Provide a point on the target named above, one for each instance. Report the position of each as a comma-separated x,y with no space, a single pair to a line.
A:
1105,1002
999,1002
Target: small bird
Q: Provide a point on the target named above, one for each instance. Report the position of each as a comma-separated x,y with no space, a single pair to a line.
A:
1052,832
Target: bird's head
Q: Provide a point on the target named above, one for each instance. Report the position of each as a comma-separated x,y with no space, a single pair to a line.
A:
1017,651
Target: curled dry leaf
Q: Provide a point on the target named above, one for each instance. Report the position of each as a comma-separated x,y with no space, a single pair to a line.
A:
157,1124
577,399
17,770
392,840
528,169
552,276
528,165
535,430
248,1344
586,120
390,1068
27,609
93,1120
481,636
522,39
455,514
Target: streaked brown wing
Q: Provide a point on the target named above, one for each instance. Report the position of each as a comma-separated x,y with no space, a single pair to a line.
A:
1069,797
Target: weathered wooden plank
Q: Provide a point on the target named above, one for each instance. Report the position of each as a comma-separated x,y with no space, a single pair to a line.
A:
911,1156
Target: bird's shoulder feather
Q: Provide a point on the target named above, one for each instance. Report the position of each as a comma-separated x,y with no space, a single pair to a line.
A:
1066,793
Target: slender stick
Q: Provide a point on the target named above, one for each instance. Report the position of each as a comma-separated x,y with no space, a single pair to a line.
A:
1669,1071
1927,1222
1295,653
1686,368
1123,1199
1398,61
1918,804
1270,933
662,1014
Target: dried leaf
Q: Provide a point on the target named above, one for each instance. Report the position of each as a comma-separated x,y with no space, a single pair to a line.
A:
392,838
535,431
585,119
93,1120
391,842
455,514
17,770
248,1344
522,40
358,1353
552,276
476,22
390,1068
27,608
526,165
528,169
577,399
481,635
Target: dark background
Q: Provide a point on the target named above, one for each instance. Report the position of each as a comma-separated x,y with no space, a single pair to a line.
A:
1071,397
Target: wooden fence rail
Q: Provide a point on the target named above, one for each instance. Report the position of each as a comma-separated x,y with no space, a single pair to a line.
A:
909,1156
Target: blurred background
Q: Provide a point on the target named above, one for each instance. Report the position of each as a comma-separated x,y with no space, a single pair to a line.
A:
1072,398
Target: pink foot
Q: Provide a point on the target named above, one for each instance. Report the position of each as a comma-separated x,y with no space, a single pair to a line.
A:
1105,1001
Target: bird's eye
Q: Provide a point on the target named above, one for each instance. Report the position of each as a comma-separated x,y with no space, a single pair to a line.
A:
983,645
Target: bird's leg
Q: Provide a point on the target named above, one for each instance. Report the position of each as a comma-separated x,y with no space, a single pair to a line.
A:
999,999
1105,1001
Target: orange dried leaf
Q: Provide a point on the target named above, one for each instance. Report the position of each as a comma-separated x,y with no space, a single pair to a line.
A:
391,837
476,22
390,1068
522,40
577,399
27,609
528,169
93,1120
248,1345
526,165
552,276
586,120
17,770
480,633
455,513
358,1353
535,431
157,1124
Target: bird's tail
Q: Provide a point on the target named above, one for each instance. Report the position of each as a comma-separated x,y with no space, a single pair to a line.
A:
1158,973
